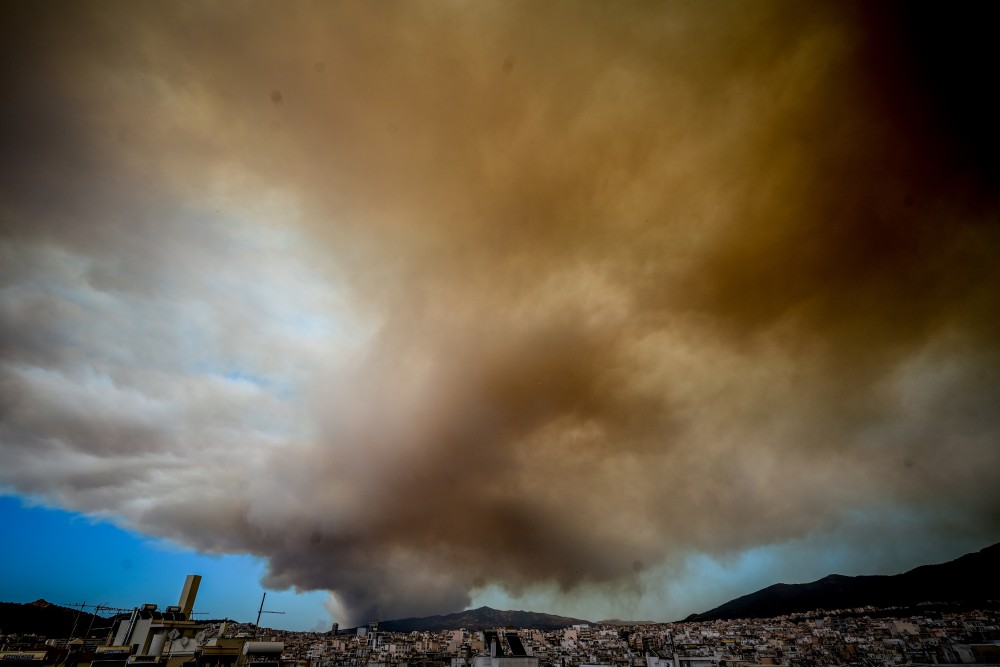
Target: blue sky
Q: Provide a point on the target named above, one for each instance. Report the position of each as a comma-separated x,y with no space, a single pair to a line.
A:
67,558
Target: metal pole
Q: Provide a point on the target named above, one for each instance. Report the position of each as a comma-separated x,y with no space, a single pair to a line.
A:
259,612
76,618
90,627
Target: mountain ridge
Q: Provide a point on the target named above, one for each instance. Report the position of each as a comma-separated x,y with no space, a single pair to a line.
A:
481,618
48,619
967,579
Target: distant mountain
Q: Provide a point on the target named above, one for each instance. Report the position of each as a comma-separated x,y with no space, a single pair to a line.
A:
478,619
969,579
48,620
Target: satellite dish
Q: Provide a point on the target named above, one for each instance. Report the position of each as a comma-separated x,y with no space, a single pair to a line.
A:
200,636
173,634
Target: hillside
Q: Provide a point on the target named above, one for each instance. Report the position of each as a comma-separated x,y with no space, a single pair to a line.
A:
484,617
969,579
48,620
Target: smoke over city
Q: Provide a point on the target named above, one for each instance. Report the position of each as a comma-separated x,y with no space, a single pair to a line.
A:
419,300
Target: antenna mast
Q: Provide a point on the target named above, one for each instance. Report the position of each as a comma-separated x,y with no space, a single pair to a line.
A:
76,618
260,611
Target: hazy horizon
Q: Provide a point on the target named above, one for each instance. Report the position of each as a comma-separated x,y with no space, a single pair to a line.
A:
127,572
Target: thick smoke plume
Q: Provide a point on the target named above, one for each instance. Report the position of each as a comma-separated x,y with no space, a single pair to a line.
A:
416,299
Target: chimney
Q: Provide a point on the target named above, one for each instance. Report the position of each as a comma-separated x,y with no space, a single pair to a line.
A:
189,593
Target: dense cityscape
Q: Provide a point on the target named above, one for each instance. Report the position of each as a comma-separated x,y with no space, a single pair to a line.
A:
865,637
844,637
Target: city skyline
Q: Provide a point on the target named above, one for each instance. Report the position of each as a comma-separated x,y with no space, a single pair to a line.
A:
397,309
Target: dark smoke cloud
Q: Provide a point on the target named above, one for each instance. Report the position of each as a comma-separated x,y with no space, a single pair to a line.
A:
413,299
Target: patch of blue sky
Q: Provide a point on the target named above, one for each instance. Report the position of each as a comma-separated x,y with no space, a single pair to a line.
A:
66,557
280,386
284,389
246,376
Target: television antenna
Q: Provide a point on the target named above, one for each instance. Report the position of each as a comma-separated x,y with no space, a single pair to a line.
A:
76,618
260,611
98,608
97,612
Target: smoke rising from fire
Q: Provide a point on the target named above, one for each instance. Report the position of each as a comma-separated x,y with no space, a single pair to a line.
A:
411,299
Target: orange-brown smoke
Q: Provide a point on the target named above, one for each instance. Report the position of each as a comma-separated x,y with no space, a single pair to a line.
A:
626,281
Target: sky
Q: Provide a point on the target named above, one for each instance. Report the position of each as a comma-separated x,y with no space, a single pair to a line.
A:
400,308
68,559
